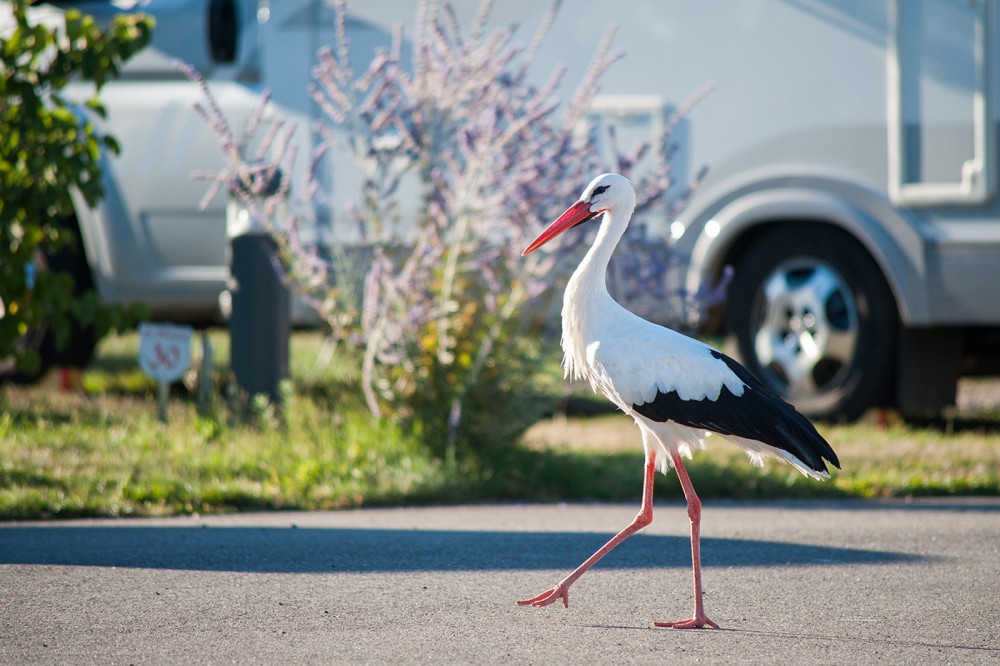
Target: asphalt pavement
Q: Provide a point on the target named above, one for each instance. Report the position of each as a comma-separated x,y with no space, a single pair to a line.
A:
788,582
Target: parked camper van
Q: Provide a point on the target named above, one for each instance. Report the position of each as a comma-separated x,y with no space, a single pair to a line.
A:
851,149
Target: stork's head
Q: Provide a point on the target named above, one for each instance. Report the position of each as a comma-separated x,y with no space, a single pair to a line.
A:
608,192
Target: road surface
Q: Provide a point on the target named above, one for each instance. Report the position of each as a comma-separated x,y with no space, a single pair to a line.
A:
789,582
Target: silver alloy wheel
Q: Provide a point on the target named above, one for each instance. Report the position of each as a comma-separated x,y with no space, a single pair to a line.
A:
807,326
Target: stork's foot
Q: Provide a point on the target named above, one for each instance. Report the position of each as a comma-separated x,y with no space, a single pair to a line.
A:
701,621
547,597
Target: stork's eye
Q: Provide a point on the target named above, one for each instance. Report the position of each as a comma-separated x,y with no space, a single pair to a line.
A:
600,190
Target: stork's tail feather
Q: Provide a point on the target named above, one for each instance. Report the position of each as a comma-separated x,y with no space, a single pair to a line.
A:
795,433
782,425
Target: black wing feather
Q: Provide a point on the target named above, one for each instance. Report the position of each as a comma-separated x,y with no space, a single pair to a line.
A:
758,414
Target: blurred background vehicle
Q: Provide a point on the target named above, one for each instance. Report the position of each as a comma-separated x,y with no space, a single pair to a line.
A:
851,146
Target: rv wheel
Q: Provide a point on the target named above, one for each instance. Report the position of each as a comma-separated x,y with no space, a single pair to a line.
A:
810,315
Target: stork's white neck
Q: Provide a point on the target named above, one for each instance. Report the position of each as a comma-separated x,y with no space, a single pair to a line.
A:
587,304
589,278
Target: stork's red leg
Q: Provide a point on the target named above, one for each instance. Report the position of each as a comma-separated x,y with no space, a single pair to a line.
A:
643,518
700,619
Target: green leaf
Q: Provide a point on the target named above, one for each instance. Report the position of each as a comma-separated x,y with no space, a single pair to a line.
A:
97,107
74,25
112,145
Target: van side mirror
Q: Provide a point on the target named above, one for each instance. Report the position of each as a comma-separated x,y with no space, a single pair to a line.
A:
223,30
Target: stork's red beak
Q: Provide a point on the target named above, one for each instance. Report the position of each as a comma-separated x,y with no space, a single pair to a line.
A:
574,215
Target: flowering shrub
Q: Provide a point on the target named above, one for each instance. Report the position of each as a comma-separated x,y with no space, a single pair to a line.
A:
436,306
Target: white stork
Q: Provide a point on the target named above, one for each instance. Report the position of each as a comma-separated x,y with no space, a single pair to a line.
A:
677,389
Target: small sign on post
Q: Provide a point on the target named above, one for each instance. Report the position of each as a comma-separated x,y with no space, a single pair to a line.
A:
164,355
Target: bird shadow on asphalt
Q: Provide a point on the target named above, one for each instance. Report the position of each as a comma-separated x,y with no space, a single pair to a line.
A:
332,550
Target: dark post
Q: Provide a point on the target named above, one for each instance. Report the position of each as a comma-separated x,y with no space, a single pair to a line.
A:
260,320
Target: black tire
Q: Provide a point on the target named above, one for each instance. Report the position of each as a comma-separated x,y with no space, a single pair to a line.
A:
82,341
811,315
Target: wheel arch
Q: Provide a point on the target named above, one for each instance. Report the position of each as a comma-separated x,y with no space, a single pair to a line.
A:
728,229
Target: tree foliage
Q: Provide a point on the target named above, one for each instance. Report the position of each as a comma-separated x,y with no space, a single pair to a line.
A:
48,150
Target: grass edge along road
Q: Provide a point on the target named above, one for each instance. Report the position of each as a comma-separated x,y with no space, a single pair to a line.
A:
100,451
